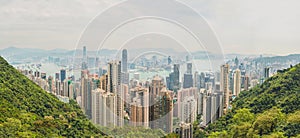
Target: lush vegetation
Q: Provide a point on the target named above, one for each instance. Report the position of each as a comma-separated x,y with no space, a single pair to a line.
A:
135,132
28,111
271,110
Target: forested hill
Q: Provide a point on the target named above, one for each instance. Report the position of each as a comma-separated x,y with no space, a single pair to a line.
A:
269,110
28,111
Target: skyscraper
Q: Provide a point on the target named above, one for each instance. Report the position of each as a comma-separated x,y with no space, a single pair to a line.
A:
139,114
62,75
114,86
237,82
189,67
84,64
86,92
124,60
188,77
224,84
161,105
104,108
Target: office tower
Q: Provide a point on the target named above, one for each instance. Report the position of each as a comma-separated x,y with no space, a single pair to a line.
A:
56,76
114,86
173,79
124,60
202,80
104,108
62,75
224,84
188,77
139,111
246,83
176,78
186,130
84,64
188,110
196,80
189,67
188,81
237,82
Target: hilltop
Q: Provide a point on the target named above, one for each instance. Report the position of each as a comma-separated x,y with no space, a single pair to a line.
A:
28,111
269,110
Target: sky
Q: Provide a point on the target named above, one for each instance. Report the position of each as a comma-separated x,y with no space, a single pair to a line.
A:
242,26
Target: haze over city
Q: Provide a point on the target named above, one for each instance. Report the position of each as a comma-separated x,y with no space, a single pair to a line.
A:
244,27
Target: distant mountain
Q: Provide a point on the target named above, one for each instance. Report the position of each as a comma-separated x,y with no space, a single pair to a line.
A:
28,111
269,110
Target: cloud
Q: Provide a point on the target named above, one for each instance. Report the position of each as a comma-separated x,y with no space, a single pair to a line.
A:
247,27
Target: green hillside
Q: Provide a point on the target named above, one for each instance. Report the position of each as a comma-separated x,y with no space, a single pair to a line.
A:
28,111
269,110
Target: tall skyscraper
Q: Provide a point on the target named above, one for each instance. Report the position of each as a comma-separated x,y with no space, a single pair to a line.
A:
237,82
84,64
224,84
173,83
63,75
124,60
86,93
188,77
114,86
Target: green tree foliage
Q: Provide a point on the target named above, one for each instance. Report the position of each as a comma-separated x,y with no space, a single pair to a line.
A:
28,111
269,110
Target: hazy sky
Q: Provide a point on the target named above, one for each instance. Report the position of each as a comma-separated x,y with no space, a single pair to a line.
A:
243,26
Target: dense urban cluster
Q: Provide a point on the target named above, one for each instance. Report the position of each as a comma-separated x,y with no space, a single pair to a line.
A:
174,103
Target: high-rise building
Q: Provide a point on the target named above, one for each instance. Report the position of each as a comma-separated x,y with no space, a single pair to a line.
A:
187,80
246,83
84,64
63,75
237,82
114,86
56,76
104,108
224,84
266,73
161,105
139,111
188,110
124,60
173,83
86,92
